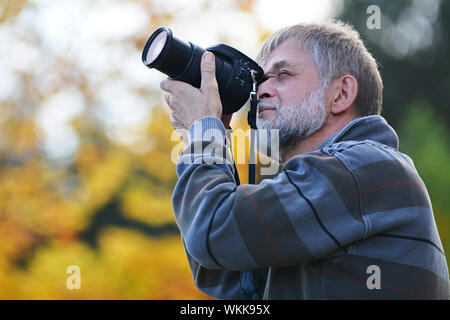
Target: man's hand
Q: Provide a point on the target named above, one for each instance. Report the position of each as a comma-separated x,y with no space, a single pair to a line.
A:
188,103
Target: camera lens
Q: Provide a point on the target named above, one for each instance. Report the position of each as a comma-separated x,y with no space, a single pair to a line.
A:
167,54
181,60
156,47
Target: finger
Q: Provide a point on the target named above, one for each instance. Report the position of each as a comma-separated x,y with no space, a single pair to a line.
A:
167,85
208,72
167,97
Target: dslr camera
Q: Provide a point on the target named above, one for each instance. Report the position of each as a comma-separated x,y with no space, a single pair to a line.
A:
237,75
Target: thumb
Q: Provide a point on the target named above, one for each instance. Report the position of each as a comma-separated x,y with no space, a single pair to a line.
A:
208,72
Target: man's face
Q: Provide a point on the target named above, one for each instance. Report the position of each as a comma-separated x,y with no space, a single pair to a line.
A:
292,98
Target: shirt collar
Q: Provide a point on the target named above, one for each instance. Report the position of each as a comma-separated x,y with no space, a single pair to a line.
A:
373,128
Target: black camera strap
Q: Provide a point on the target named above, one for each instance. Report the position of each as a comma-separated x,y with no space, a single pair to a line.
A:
251,119
253,281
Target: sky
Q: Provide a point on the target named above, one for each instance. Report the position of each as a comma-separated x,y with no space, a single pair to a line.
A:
64,40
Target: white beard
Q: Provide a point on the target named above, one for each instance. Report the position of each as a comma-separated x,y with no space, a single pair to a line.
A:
294,123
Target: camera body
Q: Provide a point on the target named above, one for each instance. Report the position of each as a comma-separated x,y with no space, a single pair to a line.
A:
236,90
181,61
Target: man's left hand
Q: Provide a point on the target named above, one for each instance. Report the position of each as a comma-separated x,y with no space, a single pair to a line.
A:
188,103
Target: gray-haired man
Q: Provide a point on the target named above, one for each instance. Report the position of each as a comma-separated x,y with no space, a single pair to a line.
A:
347,218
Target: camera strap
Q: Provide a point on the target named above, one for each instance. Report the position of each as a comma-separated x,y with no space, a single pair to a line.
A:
251,119
253,281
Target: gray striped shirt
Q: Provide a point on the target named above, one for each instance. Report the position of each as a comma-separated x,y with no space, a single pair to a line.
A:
352,220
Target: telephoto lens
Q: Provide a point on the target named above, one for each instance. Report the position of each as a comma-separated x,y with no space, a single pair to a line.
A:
180,60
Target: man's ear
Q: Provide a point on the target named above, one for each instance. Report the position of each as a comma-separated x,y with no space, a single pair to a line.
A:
344,91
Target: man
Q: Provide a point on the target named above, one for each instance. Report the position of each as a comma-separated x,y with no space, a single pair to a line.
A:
347,218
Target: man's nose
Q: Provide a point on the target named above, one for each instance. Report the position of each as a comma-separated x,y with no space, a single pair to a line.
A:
265,90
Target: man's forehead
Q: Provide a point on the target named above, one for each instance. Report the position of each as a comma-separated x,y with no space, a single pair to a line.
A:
289,63
287,54
280,64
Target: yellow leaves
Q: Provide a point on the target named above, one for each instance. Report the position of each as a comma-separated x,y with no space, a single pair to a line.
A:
46,205
10,8
102,179
158,163
19,137
127,265
26,136
246,5
29,201
147,202
14,239
263,35
45,277
158,160
153,269
89,156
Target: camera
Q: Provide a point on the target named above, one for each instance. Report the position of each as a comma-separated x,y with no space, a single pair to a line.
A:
236,73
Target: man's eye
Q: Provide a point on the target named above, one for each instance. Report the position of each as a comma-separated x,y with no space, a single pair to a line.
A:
279,75
282,74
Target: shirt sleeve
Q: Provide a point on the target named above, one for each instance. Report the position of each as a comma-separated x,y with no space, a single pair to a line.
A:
221,284
306,212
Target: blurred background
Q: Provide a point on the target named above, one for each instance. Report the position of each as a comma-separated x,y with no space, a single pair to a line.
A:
85,142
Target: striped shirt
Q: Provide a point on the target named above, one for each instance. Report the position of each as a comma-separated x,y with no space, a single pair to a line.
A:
351,220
